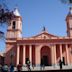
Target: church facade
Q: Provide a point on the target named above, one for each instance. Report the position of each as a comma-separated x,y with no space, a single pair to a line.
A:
44,46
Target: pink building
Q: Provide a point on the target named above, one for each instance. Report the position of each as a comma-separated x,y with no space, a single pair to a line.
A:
44,46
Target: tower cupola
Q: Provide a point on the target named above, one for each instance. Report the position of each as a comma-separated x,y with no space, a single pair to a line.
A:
70,11
15,25
16,12
69,22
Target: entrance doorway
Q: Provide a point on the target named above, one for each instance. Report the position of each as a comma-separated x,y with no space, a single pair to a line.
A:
46,56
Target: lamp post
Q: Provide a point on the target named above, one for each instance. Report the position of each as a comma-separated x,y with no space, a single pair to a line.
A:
12,54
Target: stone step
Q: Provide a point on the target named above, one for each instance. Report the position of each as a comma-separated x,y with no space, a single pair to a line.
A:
24,68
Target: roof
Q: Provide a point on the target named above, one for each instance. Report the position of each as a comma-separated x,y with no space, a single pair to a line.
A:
70,11
44,35
16,12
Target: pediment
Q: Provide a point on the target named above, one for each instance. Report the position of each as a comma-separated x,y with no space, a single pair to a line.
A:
43,35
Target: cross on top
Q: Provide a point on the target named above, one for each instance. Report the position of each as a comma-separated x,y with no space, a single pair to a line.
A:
44,29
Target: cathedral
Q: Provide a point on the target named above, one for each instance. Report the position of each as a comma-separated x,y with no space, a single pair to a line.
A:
46,46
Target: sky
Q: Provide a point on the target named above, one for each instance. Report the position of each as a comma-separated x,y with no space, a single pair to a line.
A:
38,13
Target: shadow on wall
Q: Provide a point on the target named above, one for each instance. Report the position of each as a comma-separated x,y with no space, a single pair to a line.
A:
10,55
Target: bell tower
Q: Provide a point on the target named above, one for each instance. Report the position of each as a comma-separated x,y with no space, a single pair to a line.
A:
15,26
69,23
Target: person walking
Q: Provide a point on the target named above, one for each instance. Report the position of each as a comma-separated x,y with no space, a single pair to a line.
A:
19,66
5,68
11,68
0,68
42,64
28,65
60,64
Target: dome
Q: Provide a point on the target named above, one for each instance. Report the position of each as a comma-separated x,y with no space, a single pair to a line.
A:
16,12
70,11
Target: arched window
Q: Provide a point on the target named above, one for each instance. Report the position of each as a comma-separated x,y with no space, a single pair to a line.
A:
13,26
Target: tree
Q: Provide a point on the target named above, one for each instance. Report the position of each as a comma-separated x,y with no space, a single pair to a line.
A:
66,1
5,15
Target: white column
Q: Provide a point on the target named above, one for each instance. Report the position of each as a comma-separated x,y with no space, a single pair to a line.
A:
17,54
67,54
30,53
37,54
61,51
52,54
24,54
